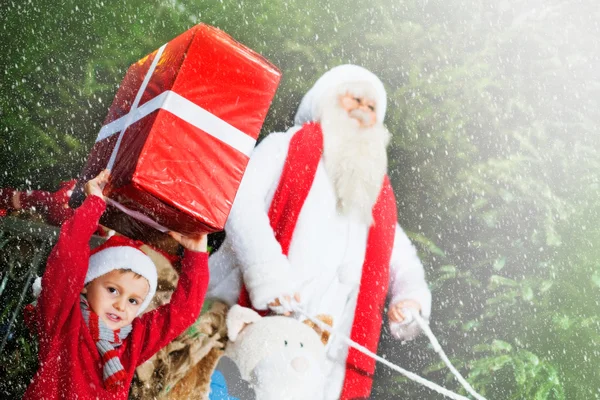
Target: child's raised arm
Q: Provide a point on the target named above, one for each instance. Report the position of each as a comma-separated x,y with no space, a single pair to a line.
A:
67,264
165,323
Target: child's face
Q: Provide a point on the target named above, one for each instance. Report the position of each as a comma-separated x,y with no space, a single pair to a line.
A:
116,297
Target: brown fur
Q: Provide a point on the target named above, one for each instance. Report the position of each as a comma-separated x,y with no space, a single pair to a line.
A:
195,385
326,319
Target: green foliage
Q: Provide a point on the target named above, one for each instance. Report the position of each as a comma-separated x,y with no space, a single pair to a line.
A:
19,362
533,379
494,108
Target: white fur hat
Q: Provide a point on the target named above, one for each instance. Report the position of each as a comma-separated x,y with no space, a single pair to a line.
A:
119,252
342,74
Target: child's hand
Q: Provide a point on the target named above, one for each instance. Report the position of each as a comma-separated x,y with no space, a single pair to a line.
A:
95,186
194,243
395,313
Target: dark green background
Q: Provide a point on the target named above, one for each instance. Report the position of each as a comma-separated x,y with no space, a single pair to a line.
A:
494,109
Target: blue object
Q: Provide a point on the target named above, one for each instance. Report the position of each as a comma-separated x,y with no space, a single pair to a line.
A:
218,388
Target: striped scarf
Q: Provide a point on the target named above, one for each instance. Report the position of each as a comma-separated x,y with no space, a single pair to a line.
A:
106,340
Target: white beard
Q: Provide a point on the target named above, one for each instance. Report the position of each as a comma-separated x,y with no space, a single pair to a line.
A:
355,160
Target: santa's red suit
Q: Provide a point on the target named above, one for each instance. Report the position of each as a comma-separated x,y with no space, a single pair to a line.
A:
285,234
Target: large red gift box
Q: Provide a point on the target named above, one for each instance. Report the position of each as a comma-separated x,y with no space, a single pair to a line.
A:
180,131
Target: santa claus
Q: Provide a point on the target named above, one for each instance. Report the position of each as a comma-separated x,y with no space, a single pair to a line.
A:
315,218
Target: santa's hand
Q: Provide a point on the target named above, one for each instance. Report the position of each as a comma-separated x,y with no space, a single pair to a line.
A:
398,312
283,304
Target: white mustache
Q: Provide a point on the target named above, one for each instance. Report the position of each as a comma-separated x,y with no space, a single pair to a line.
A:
361,115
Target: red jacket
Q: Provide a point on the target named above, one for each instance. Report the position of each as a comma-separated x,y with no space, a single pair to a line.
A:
69,362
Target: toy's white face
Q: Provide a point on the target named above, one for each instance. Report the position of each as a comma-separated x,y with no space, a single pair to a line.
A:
291,366
281,357
116,297
288,375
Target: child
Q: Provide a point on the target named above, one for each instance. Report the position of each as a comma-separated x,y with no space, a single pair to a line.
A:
90,333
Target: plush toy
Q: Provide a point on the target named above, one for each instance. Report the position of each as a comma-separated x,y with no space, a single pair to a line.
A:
280,357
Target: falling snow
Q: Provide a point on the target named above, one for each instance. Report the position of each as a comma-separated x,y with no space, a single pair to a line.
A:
494,110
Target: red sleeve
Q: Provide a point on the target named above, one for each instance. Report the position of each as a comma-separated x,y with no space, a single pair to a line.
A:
6,196
54,206
164,324
67,266
34,198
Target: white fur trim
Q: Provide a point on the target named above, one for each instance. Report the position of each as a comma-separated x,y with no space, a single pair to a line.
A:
410,329
407,282
268,281
342,74
124,257
36,288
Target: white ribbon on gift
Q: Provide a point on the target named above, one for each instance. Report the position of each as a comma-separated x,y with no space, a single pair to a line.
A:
182,108
137,215
191,113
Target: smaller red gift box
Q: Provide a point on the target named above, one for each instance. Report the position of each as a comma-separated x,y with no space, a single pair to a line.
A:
180,131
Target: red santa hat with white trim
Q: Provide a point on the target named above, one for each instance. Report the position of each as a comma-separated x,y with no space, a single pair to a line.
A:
335,77
116,253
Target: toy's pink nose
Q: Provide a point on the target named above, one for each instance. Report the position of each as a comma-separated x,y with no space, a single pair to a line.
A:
300,364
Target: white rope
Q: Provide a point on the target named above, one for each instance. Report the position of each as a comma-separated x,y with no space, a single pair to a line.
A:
410,375
438,349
